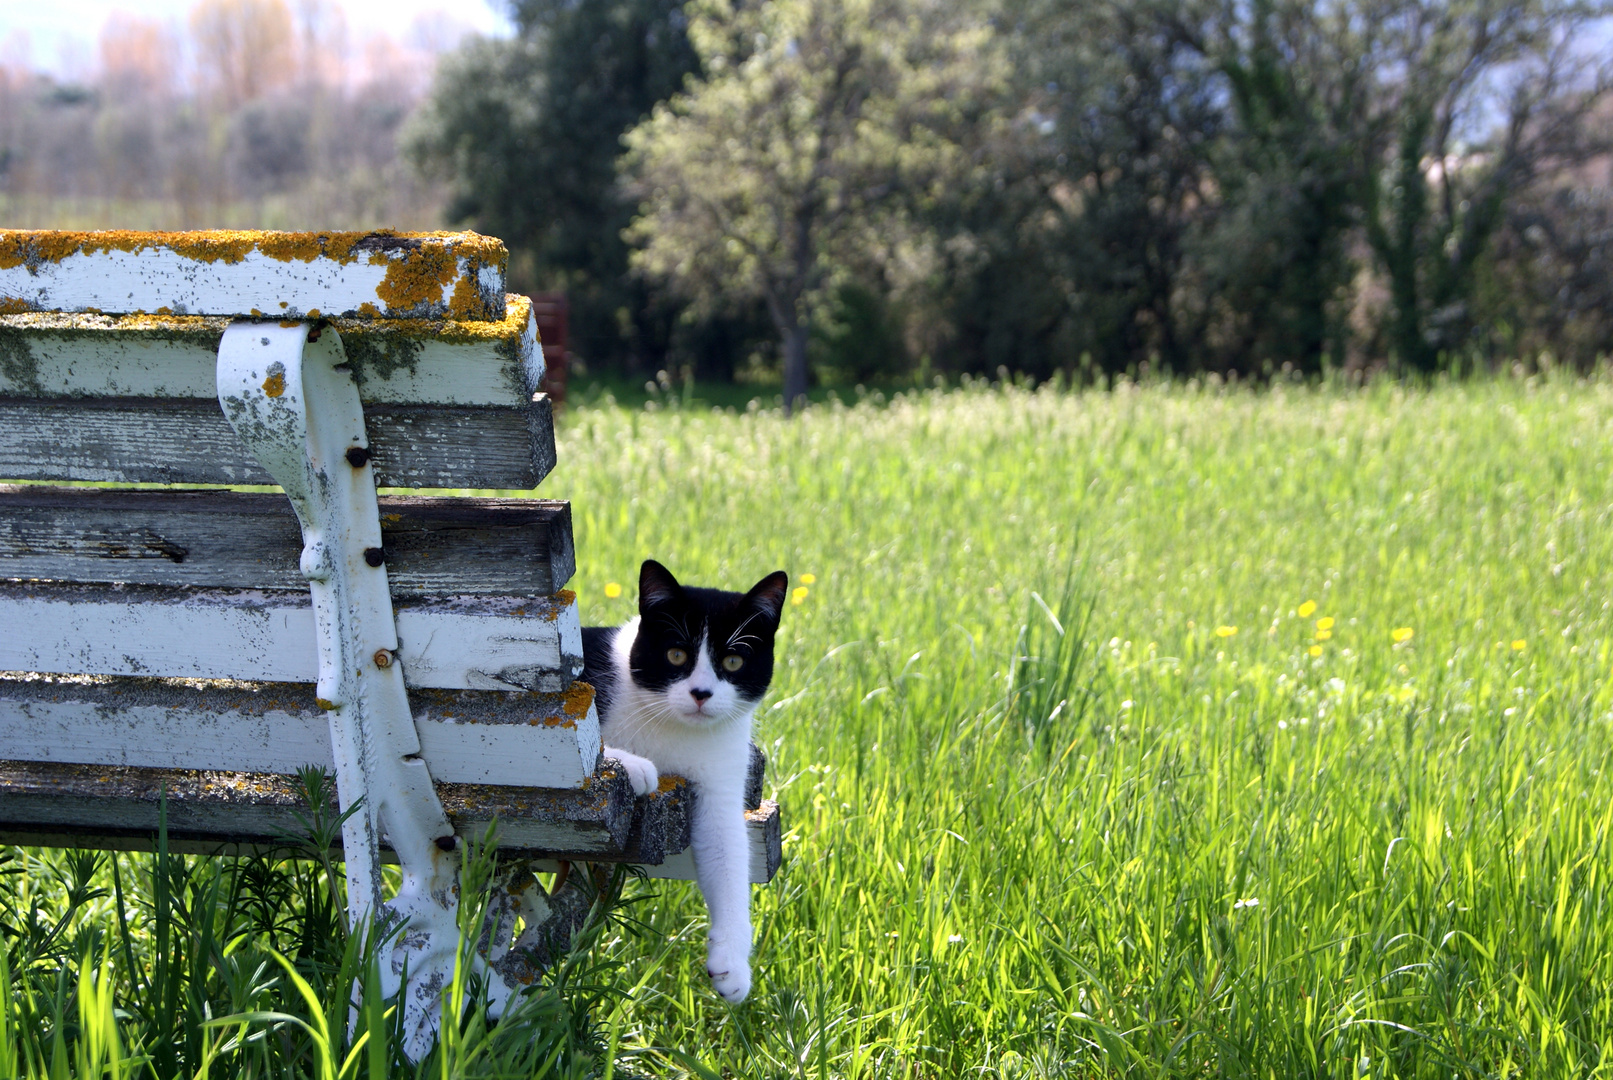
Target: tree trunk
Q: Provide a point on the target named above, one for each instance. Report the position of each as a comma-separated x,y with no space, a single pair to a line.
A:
795,365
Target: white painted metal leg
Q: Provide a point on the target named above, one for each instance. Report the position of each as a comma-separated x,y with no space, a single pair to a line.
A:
284,390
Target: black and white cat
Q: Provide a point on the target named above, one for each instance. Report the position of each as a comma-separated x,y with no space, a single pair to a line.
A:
676,688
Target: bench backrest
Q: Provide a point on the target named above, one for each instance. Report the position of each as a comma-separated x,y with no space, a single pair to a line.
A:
137,588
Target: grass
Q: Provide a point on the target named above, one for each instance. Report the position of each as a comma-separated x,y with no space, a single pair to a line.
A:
1067,792
1168,840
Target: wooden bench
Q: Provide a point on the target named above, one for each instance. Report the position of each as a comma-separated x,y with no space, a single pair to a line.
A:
185,651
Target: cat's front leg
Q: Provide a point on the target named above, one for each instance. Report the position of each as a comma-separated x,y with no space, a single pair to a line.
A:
641,771
722,868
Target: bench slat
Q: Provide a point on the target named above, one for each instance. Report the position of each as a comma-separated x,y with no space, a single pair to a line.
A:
87,805
218,813
764,832
244,540
396,362
418,275
140,441
457,643
54,805
470,737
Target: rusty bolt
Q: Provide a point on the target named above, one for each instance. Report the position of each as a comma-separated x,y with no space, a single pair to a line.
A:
374,556
383,659
357,456
446,843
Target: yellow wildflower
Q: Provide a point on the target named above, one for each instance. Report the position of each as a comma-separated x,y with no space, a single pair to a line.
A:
809,579
1401,633
1307,609
1518,645
1325,623
798,595
1225,631
612,590
1323,635
1316,650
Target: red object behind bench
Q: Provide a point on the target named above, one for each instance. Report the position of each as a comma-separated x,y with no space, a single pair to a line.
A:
553,313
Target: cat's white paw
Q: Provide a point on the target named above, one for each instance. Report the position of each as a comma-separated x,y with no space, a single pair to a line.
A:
642,774
729,968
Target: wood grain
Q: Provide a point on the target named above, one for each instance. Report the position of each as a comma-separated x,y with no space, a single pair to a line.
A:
468,737
146,441
95,806
457,643
240,540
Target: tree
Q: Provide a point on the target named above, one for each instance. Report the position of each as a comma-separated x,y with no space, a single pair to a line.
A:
818,128
527,133
243,48
1493,94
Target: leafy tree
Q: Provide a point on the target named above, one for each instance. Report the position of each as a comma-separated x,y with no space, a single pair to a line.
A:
1298,140
1490,96
527,132
817,130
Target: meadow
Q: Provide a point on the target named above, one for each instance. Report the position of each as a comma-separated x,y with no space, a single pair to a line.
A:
1157,731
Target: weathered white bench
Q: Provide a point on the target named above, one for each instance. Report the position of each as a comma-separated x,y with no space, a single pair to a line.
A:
185,651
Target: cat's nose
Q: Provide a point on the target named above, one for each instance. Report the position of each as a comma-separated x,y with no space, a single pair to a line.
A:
700,695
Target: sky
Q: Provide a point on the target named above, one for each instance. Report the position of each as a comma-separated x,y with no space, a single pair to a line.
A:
60,35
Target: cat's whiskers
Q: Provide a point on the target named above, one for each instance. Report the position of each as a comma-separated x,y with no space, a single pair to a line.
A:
739,637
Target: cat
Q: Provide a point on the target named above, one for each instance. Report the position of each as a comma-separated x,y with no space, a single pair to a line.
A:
676,687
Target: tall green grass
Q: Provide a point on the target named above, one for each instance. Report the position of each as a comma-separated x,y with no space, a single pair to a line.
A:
1067,793
242,967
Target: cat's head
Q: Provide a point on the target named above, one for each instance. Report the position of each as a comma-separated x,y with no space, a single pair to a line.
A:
708,653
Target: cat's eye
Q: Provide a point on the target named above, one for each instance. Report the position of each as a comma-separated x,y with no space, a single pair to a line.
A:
677,657
732,662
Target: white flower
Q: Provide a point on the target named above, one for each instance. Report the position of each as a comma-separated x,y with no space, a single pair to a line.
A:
954,939
1247,902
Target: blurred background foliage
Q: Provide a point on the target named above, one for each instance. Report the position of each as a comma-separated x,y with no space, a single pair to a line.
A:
878,190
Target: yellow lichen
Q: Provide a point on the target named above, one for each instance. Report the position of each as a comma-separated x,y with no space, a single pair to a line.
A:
564,596
419,277
23,246
578,700
507,331
466,303
517,313
10,305
275,384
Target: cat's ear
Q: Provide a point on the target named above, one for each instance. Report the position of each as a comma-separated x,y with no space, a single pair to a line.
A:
768,594
656,585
